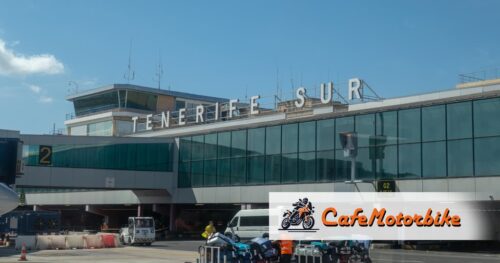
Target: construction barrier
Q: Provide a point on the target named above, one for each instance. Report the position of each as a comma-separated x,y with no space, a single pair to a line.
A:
58,242
93,241
43,242
75,242
29,241
109,240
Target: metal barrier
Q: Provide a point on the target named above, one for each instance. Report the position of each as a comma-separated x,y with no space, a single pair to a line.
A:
308,254
313,260
209,254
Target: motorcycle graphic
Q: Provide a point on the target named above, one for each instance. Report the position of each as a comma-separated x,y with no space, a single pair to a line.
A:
300,215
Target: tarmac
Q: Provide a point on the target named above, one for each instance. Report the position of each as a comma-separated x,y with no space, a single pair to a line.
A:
186,251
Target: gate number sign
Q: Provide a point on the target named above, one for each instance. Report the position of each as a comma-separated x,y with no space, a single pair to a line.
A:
386,186
45,155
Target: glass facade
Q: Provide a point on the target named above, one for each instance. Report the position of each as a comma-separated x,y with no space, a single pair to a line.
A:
137,157
459,139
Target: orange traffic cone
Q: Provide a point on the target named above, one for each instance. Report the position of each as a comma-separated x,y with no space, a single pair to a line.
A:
23,253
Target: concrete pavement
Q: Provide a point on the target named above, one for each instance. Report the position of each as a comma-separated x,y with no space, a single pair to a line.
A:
186,251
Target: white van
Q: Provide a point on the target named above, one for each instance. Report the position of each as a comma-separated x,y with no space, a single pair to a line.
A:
247,224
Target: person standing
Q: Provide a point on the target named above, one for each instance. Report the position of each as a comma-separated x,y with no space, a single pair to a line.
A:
209,230
286,248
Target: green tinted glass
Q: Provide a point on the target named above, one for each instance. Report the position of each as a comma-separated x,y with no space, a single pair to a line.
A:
307,167
409,125
486,114
410,161
434,159
307,136
433,123
256,169
273,169
289,168
325,135
289,139
325,166
459,120
256,141
273,140
460,158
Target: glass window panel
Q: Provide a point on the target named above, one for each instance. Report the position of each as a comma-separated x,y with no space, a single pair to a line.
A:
185,149
486,114
197,148
387,162
434,159
289,168
256,169
460,159
487,152
459,119
345,124
96,103
387,127
325,134
210,172
197,174
342,167
365,129
224,144
104,128
410,161
256,141
78,130
238,143
409,125
123,127
273,169
238,170
365,167
223,172
289,138
184,178
307,136
210,146
273,140
433,123
141,100
307,167
325,166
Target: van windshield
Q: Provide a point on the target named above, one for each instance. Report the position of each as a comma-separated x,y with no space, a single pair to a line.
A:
143,223
233,222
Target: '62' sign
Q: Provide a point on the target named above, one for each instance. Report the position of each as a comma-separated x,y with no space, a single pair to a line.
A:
45,155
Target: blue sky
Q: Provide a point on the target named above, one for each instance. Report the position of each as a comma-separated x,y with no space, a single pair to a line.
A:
233,48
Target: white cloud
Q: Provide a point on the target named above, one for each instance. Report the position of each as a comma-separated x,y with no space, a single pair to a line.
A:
40,93
45,99
36,89
18,64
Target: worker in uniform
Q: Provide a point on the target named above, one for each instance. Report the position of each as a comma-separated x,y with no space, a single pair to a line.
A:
209,230
286,248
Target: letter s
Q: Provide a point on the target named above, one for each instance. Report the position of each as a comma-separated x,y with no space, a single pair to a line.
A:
301,92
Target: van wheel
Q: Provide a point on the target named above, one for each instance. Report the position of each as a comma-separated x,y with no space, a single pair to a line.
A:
236,238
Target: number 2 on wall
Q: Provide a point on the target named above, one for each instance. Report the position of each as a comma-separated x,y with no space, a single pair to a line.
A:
45,155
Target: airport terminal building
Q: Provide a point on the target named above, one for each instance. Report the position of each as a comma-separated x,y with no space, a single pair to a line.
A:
188,158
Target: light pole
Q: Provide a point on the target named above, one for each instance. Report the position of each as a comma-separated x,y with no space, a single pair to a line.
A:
349,142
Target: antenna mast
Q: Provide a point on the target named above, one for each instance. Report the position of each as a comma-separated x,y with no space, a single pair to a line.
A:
159,70
130,75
